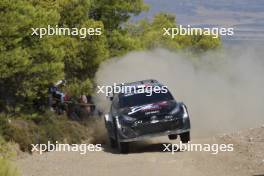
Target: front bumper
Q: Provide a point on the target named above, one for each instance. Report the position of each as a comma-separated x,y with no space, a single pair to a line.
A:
149,130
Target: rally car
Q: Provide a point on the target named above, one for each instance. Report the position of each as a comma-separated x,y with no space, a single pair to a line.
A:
135,115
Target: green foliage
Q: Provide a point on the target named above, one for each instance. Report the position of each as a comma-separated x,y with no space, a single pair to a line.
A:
74,13
77,88
114,13
151,35
6,150
7,169
121,42
27,64
203,43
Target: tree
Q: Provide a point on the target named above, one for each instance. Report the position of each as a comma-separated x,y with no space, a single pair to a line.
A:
114,13
151,35
27,63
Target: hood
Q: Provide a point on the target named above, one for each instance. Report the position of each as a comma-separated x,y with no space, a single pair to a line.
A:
159,108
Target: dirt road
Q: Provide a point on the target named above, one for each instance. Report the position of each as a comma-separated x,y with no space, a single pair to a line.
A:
147,158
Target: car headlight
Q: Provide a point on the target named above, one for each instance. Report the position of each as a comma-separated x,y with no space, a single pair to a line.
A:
176,110
118,123
185,113
180,110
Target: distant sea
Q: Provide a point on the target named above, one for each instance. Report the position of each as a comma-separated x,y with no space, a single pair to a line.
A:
245,16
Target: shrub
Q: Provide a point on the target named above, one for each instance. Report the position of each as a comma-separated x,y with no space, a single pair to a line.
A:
41,129
6,149
7,169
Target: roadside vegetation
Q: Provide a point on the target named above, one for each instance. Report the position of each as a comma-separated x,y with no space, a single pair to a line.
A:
28,64
6,167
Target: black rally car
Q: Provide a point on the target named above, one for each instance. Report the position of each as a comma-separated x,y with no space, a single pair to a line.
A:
136,115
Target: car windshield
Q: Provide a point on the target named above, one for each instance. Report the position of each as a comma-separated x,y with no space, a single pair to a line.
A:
143,98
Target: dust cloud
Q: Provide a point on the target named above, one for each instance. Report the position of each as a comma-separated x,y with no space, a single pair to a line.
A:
96,131
222,89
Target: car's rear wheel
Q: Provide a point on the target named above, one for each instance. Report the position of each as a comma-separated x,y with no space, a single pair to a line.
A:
185,137
172,136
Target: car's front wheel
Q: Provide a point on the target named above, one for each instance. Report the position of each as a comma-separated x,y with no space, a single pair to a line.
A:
185,137
123,147
112,142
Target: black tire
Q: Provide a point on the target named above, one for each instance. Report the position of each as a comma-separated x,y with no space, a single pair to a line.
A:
123,147
172,136
185,137
112,142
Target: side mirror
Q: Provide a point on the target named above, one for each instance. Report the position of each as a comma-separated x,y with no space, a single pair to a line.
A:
106,116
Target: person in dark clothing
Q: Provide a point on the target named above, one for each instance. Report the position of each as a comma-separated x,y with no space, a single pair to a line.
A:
55,93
